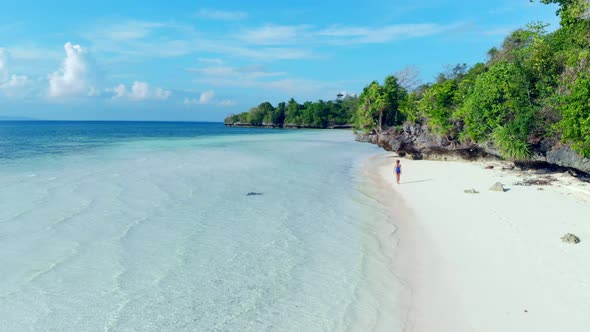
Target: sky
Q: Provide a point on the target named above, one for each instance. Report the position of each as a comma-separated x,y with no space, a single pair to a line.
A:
202,60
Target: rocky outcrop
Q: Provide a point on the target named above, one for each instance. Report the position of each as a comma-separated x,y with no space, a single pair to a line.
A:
418,142
248,125
566,157
344,126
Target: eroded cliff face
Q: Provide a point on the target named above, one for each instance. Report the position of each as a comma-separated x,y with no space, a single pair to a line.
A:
566,157
417,142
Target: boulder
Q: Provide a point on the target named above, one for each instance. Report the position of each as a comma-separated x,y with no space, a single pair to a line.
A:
570,238
497,187
366,138
566,157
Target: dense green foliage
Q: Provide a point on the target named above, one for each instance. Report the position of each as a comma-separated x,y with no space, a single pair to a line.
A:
535,87
380,105
320,114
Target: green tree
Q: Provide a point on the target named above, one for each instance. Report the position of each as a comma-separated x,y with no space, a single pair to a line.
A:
372,103
395,96
499,109
438,104
292,112
574,103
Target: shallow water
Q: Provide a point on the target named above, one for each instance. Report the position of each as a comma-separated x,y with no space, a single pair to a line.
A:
148,227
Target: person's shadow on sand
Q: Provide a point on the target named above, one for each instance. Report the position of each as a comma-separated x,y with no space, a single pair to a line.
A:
417,181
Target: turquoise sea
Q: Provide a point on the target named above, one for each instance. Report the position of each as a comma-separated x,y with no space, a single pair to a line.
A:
146,226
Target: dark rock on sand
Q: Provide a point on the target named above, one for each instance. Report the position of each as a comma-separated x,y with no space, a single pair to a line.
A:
570,238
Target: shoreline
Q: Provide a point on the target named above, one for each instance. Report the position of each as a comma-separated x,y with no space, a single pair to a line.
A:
490,261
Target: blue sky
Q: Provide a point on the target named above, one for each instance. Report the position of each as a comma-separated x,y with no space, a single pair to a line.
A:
200,60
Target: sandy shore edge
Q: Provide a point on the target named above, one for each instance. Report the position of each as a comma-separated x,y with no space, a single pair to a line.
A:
489,261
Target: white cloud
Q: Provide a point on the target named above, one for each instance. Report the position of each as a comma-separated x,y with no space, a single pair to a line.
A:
16,85
139,91
3,65
213,61
11,85
35,53
346,35
190,101
222,15
162,94
227,103
257,77
275,34
206,97
142,39
238,73
75,76
337,34
127,30
266,53
119,91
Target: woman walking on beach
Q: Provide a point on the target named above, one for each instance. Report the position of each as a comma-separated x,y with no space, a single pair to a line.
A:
398,170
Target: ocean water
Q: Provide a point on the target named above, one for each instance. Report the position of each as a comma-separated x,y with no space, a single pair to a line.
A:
130,226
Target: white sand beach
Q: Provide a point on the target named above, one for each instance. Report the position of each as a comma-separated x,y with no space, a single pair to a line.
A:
491,261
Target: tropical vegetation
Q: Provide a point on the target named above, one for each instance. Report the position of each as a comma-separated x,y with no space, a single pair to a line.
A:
320,114
534,89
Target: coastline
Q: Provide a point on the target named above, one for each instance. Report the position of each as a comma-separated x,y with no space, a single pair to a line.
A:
484,262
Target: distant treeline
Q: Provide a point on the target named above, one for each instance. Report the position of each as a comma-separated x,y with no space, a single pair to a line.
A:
321,114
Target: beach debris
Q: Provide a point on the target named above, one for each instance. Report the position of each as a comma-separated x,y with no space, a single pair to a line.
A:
254,194
570,238
471,191
497,187
542,181
489,167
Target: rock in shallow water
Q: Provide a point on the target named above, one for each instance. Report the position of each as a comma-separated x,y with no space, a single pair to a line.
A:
254,194
570,238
